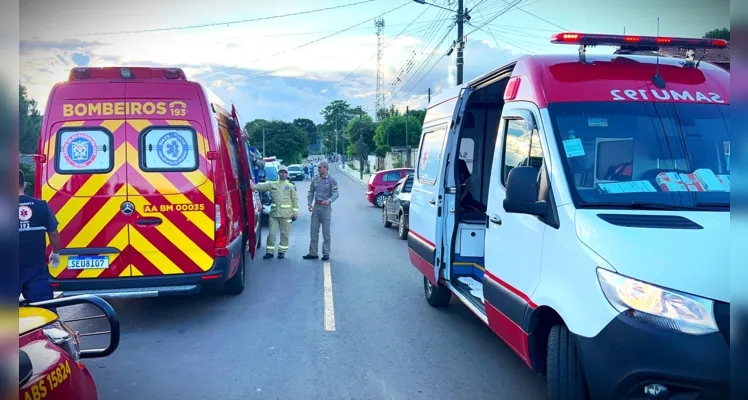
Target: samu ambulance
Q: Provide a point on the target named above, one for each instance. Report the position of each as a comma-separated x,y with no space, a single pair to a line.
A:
146,173
602,256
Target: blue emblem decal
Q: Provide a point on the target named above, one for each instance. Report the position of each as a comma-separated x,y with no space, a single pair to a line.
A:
172,149
80,150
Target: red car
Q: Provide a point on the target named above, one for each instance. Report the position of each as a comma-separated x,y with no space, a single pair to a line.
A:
384,181
50,354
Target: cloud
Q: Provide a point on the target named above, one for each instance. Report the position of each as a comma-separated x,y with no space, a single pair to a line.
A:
263,78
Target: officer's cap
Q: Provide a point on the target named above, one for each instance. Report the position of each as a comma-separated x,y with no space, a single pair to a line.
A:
282,168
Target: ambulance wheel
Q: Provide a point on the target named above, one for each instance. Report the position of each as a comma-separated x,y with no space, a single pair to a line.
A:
564,375
385,222
436,296
235,285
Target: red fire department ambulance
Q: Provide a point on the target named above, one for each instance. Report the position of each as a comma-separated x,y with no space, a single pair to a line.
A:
149,177
596,243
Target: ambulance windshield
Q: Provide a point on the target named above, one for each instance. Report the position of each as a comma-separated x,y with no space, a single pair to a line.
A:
645,155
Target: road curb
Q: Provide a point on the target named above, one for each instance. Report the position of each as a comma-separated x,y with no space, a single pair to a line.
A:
345,171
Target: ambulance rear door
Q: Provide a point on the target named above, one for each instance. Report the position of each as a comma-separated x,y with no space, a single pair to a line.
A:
172,227
84,179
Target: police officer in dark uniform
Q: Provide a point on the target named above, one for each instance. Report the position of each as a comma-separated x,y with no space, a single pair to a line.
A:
35,221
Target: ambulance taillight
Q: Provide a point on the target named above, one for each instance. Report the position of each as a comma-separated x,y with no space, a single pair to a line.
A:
173,73
222,227
80,73
588,39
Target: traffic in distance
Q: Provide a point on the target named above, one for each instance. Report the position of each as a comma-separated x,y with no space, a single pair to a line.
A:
548,197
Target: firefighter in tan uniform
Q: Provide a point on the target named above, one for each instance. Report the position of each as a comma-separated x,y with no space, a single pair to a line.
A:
284,210
323,191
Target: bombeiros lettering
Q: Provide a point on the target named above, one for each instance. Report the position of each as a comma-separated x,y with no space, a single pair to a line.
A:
122,108
665,95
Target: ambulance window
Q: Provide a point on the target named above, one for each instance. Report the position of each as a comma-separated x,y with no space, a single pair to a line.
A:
430,154
169,149
522,147
84,151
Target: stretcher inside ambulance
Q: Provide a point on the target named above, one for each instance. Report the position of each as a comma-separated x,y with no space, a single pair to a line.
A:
594,237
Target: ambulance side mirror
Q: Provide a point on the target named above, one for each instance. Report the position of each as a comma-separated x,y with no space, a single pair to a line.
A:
522,192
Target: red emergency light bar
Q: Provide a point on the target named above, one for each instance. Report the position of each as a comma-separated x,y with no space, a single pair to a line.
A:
84,73
586,39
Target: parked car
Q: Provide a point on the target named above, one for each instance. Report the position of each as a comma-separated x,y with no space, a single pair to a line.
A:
295,172
384,181
50,358
395,210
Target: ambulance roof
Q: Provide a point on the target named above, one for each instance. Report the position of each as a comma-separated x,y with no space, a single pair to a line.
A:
543,79
615,77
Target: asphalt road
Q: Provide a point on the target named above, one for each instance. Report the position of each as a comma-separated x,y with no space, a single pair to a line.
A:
271,341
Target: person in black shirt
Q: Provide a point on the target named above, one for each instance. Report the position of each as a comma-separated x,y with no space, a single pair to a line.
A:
35,221
467,202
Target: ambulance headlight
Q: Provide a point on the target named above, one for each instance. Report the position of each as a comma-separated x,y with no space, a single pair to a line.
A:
64,337
665,308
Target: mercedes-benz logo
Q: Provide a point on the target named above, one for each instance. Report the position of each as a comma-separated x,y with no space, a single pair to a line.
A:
127,208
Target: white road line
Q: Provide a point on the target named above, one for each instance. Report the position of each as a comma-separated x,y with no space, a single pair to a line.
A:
329,307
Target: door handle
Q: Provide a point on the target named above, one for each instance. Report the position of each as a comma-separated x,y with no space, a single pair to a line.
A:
432,201
451,210
495,219
149,221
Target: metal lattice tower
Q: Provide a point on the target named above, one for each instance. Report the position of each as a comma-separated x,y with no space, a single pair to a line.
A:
379,23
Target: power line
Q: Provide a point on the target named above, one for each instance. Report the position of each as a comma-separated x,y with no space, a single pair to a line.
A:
358,68
228,22
305,44
540,18
500,13
494,37
270,72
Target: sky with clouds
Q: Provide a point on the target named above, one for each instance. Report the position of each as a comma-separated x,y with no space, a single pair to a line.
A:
291,67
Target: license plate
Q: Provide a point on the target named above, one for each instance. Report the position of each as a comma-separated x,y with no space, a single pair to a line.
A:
88,262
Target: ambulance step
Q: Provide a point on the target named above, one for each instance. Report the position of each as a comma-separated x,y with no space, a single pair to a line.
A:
134,293
470,292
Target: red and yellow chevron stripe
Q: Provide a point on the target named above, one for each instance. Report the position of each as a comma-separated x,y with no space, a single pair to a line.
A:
88,209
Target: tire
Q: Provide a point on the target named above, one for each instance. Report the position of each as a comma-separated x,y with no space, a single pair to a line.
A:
235,285
379,200
386,223
436,296
564,377
402,228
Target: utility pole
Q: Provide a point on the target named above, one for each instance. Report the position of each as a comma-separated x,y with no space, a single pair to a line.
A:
361,143
379,23
336,133
263,143
462,16
407,148
429,96
460,22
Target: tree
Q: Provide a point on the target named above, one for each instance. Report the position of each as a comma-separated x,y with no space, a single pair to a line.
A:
394,127
723,33
360,134
30,123
337,115
30,126
284,140
309,127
